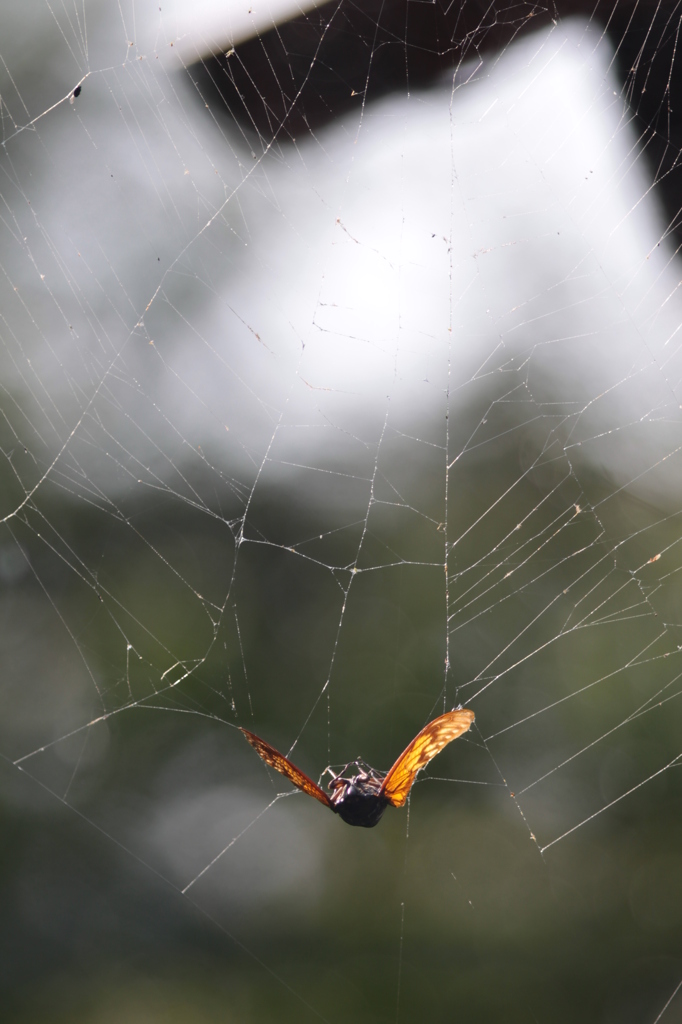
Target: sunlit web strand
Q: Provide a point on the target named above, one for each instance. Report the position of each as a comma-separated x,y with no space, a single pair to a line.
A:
612,803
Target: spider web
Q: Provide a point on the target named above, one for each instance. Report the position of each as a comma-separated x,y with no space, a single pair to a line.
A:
339,386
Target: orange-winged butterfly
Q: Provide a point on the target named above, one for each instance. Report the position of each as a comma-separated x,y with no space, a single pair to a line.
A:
363,798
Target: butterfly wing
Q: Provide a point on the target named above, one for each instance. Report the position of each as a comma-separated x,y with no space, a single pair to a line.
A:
426,744
282,764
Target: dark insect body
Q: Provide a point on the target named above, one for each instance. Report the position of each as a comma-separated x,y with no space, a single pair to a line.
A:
358,800
361,798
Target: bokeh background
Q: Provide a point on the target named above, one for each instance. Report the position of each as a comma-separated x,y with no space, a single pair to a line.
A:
327,405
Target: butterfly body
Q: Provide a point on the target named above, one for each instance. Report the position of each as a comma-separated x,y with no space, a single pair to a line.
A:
363,798
358,800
